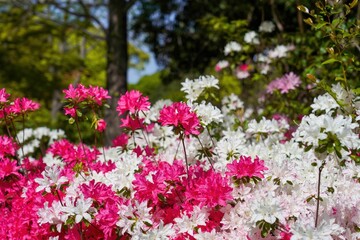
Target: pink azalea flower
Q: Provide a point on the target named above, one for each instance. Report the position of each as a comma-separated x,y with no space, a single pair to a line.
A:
245,167
107,217
97,191
284,84
70,111
23,105
7,147
76,94
132,124
209,189
97,95
181,117
100,125
7,168
121,141
3,95
132,101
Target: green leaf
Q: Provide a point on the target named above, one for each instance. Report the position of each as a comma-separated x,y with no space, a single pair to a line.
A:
339,79
331,60
78,113
353,3
356,91
320,25
330,189
308,148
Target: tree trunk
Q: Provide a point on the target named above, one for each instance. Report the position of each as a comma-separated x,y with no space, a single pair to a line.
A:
117,64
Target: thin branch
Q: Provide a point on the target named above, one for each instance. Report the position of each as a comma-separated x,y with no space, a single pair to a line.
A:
85,15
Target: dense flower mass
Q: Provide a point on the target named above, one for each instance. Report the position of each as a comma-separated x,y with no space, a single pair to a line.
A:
180,116
141,188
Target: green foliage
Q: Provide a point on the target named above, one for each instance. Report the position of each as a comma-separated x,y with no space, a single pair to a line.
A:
40,56
339,31
153,87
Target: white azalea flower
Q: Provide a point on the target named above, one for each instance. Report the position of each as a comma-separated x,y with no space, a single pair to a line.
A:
232,47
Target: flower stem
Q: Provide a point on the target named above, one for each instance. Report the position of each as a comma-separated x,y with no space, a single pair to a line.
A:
318,194
82,144
186,161
208,157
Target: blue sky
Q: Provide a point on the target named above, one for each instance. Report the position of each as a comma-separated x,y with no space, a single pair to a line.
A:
150,68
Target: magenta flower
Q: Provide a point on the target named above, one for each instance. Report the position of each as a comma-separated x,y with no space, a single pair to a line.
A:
3,95
181,117
23,105
121,140
80,93
70,111
97,95
132,124
7,147
245,167
76,94
7,168
133,102
100,125
287,82
209,189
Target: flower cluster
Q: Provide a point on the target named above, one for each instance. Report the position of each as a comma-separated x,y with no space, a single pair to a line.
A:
81,99
180,116
142,188
9,111
194,88
289,81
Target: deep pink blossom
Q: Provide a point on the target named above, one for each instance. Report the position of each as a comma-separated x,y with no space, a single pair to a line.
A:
209,189
8,147
23,105
3,95
181,117
97,94
97,191
91,95
8,167
132,101
121,140
100,125
70,111
107,217
132,124
76,94
245,167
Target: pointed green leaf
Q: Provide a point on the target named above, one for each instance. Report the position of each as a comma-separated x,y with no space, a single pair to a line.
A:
353,4
331,60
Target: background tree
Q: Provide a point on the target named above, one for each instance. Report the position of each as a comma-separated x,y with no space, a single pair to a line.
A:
85,22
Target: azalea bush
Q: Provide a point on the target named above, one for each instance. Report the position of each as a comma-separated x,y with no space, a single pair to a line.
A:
182,170
202,168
